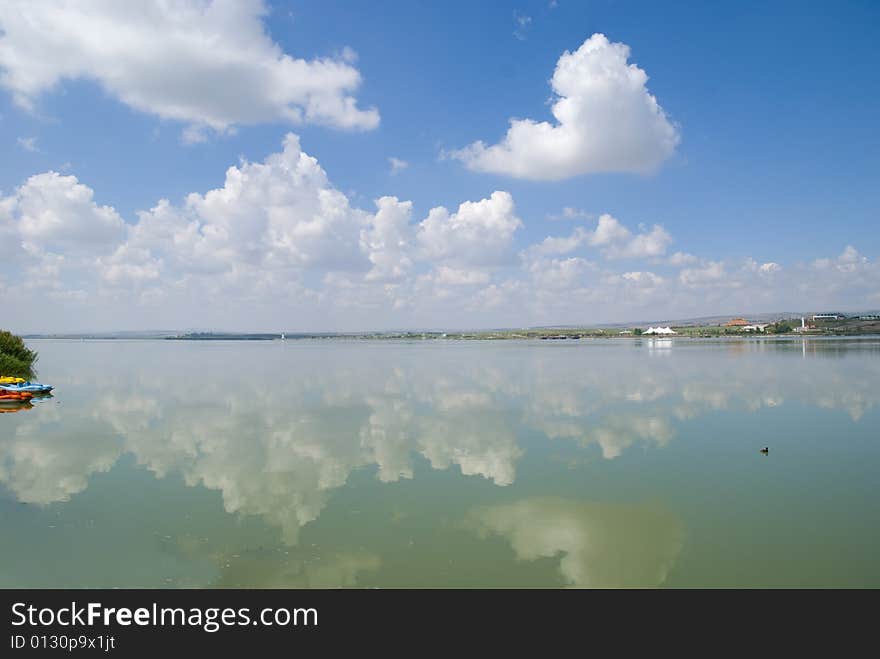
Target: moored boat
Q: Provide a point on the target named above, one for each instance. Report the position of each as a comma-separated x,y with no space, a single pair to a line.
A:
15,395
27,387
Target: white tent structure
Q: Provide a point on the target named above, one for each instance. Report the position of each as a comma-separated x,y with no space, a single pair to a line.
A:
659,330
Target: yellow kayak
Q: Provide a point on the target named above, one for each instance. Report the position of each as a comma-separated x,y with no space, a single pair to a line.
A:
4,379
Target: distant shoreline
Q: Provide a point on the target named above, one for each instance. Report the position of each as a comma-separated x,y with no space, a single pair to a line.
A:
791,325
468,336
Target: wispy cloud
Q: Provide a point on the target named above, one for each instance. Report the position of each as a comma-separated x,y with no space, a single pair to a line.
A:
523,23
397,165
570,213
28,144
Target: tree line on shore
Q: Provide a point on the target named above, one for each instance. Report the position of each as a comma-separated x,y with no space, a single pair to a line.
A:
16,359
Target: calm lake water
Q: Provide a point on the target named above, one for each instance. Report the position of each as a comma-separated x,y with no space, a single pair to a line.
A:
432,463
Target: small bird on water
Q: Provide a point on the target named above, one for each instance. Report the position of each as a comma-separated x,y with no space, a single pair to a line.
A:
765,450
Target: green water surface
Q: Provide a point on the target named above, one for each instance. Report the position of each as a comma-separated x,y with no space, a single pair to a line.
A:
336,463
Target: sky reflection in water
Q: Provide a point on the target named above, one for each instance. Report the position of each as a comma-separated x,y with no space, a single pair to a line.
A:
323,464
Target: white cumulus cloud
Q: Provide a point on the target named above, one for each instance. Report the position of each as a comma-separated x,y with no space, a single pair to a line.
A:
277,245
606,120
210,64
56,213
710,273
281,213
388,240
478,234
614,239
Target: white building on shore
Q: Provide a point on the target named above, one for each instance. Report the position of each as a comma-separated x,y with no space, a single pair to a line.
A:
659,330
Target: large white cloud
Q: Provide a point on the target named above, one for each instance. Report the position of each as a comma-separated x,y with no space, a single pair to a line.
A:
278,246
210,64
51,235
467,245
279,213
270,220
57,213
276,234
478,234
606,121
614,239
388,241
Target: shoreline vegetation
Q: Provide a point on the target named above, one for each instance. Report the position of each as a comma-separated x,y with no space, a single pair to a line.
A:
865,325
16,359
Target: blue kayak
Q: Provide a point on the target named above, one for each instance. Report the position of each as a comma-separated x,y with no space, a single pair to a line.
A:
27,387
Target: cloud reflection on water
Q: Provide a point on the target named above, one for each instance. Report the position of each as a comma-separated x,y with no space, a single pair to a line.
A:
598,545
279,439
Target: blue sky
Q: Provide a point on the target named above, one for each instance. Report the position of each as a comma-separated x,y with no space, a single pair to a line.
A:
774,106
